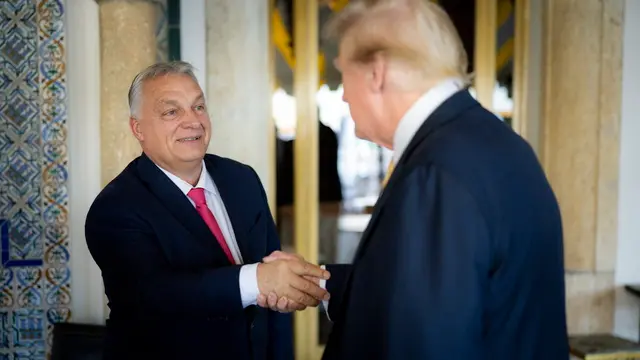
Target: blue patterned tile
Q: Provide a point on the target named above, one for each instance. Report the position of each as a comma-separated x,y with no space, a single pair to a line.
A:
33,353
5,330
28,328
34,239
29,286
6,288
58,286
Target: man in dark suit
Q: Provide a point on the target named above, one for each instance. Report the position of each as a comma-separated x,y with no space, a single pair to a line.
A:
179,236
463,255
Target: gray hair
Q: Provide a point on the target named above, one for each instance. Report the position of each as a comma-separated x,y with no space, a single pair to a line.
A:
152,72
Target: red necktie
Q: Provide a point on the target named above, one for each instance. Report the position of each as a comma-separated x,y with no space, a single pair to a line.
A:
197,195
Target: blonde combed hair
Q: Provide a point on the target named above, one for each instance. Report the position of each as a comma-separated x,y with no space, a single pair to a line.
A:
418,35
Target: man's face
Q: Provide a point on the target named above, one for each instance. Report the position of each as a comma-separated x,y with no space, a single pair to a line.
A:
173,125
362,94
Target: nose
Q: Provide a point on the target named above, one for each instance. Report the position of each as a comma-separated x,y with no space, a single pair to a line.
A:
191,121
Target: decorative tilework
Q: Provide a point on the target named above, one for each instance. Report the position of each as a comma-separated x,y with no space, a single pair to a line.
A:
4,329
34,238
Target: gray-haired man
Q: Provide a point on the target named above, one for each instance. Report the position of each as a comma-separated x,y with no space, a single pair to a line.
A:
179,236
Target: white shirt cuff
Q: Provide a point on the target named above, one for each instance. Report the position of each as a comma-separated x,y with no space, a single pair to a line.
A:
325,303
249,290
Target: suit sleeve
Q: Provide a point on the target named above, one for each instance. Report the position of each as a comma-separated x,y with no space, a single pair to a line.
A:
280,325
137,277
440,270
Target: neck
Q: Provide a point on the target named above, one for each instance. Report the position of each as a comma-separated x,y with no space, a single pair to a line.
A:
190,175
398,106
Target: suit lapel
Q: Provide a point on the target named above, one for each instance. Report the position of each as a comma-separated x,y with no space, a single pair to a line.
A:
177,204
228,190
446,112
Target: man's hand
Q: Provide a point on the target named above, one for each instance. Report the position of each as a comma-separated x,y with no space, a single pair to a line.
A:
282,304
290,278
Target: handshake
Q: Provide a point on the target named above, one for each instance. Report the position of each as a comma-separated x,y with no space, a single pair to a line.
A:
288,283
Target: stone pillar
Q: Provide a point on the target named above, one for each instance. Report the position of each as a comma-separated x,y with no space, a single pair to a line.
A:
83,124
581,102
627,265
128,45
239,84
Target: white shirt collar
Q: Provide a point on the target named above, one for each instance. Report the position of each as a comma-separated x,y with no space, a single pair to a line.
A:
205,181
419,112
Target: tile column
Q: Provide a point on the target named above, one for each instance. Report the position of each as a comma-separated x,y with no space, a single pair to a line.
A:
127,45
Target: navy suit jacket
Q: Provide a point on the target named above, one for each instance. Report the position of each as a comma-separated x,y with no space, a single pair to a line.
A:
171,290
463,256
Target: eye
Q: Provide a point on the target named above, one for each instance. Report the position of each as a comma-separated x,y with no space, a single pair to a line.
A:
200,107
170,113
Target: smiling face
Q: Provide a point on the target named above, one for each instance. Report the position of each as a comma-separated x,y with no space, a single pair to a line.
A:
172,123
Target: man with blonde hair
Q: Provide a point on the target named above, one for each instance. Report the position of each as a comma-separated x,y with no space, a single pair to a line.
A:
463,255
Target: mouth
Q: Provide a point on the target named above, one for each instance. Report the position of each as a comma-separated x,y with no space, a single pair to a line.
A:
189,139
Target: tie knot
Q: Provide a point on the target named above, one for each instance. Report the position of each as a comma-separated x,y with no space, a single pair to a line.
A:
197,195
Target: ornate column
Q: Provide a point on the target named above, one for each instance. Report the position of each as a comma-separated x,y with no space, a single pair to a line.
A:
127,45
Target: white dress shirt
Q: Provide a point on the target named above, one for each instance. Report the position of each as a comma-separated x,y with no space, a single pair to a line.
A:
419,112
409,125
248,273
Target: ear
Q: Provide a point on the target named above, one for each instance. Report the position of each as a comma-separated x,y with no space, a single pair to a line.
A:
377,72
134,124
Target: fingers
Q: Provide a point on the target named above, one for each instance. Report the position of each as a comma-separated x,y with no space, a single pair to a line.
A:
281,255
314,280
293,306
283,304
262,301
301,298
304,268
310,288
272,300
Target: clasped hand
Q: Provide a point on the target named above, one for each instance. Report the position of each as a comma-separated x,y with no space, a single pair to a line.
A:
287,282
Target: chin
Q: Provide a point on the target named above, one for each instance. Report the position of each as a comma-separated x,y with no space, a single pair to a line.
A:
361,135
189,155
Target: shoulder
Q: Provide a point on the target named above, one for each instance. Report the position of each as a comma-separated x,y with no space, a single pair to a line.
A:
230,168
118,196
475,145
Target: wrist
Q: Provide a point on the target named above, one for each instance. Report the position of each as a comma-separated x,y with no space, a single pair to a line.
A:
259,275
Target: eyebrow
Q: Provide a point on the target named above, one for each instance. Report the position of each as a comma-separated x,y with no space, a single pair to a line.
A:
199,98
176,103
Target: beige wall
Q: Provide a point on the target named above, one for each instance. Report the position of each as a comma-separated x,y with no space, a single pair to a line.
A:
581,72
238,82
